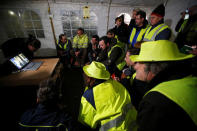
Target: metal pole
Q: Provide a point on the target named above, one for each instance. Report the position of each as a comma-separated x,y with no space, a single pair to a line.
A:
165,3
51,21
108,14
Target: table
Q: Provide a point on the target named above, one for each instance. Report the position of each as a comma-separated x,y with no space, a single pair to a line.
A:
18,90
31,78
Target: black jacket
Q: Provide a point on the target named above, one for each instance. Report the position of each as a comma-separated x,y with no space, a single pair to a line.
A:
178,26
42,116
131,24
102,56
92,51
15,46
188,36
122,32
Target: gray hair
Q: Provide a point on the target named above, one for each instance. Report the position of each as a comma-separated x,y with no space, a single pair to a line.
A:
136,9
156,67
48,92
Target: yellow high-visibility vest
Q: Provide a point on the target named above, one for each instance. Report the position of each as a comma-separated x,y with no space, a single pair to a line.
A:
136,37
120,62
80,41
151,35
65,45
113,108
183,25
176,90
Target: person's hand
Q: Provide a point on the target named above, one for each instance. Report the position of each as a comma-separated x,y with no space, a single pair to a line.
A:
117,78
94,46
94,55
88,63
183,15
194,51
123,76
114,77
194,47
138,44
60,53
77,53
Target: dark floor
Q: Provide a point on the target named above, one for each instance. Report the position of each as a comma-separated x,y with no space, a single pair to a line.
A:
72,89
14,101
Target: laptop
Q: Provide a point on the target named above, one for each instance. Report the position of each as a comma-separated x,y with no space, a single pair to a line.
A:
22,63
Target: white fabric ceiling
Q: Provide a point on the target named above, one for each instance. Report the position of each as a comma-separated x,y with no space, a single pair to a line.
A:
147,3
121,2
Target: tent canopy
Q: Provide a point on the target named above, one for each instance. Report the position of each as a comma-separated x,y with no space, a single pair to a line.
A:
118,2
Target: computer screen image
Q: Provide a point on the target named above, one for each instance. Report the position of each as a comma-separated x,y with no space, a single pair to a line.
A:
22,63
24,58
17,62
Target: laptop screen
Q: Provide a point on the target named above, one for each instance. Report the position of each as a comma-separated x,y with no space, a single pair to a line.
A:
19,61
24,58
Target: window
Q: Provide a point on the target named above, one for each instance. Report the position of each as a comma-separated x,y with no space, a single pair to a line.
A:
21,22
32,23
127,18
72,20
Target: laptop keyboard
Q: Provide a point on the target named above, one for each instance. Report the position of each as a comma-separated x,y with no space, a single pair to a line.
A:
32,66
36,65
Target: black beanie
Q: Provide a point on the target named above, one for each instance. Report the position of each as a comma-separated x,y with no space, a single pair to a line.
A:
159,11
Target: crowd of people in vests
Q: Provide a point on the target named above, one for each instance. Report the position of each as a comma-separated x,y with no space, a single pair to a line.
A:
136,77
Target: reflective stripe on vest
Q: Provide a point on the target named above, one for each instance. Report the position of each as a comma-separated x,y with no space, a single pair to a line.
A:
121,65
120,61
183,25
120,43
80,41
60,124
151,35
120,119
132,78
182,92
136,37
116,37
65,45
114,109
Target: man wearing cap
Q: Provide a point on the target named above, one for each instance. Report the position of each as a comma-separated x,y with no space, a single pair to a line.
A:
121,29
136,87
158,30
170,102
106,103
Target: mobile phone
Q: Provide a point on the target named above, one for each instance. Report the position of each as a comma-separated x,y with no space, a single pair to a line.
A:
186,49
